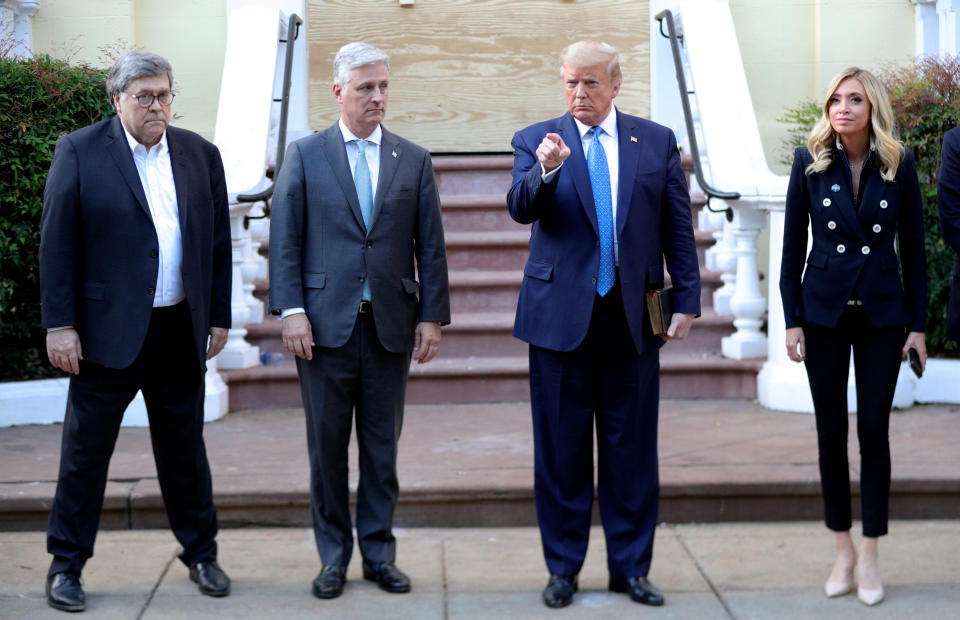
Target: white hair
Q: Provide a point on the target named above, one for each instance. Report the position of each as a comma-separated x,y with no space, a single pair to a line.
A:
353,55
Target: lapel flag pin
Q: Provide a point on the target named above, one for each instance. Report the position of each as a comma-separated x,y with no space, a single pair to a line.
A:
632,139
394,153
835,188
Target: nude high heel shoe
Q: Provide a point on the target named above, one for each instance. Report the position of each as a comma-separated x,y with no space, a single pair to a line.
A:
868,596
834,589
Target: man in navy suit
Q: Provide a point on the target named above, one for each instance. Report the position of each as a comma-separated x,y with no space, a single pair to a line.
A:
608,202
135,265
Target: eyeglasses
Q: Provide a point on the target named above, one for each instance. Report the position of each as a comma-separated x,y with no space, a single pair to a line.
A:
146,100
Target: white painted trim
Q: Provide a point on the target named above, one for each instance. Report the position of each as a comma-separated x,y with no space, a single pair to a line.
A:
44,401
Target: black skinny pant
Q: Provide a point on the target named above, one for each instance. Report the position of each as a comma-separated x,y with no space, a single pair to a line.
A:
876,360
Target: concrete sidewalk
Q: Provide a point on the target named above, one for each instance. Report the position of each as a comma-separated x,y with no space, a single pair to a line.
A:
705,571
472,466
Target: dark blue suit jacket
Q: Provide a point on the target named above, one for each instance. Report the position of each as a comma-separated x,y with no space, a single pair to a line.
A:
99,252
853,249
948,203
653,222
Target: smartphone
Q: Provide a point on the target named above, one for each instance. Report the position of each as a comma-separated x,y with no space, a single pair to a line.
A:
914,359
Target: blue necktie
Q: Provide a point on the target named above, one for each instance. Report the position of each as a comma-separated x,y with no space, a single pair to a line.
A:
600,182
361,178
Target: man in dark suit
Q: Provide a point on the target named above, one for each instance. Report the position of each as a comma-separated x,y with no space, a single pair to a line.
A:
608,201
948,203
354,207
135,276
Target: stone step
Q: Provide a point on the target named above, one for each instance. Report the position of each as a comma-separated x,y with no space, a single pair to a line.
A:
495,379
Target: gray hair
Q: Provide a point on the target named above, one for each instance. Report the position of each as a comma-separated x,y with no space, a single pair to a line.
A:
589,53
353,55
134,65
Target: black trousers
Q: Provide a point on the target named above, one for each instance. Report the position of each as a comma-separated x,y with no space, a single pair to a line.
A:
171,378
876,361
360,377
602,383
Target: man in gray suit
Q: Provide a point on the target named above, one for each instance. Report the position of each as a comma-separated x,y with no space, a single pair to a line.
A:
354,207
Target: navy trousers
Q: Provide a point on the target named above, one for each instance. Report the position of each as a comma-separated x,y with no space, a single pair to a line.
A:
602,383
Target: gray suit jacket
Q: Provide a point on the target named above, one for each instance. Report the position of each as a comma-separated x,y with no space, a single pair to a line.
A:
320,250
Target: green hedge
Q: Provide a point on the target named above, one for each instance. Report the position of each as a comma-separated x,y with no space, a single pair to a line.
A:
926,101
41,99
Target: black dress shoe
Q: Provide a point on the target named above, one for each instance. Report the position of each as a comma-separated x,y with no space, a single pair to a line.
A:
65,593
639,588
387,576
329,583
559,590
210,578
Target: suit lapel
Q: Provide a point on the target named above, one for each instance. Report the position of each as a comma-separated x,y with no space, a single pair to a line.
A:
119,150
335,152
577,163
628,142
178,166
389,162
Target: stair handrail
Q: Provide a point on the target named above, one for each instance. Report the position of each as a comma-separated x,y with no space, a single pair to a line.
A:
293,26
711,192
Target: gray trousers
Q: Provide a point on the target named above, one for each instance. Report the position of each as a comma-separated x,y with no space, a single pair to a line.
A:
360,378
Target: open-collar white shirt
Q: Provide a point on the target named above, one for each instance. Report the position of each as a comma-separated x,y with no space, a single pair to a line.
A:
156,176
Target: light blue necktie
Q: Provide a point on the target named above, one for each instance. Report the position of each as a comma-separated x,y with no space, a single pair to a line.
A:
361,178
600,182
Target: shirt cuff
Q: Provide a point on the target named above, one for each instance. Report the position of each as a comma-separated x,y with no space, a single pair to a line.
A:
291,311
545,176
57,329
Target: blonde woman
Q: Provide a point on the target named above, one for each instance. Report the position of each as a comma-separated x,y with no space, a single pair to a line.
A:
857,190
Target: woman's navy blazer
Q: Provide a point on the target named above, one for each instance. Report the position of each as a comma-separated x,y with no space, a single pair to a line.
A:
854,254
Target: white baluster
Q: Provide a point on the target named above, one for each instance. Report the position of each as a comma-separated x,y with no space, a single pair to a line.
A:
747,303
238,353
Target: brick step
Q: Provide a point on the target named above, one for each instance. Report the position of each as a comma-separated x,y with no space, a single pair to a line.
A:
482,174
476,212
484,291
490,334
488,250
495,379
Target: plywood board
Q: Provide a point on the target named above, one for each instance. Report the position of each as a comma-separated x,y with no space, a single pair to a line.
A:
467,74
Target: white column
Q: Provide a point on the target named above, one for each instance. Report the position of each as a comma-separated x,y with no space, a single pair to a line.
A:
747,303
16,21
238,353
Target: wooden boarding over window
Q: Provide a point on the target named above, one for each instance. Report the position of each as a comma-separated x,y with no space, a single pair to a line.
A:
466,74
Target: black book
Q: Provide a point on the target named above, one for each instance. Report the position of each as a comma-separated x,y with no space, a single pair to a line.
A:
660,309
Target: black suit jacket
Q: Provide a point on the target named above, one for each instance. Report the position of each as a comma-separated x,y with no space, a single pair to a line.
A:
99,253
854,250
948,203
321,252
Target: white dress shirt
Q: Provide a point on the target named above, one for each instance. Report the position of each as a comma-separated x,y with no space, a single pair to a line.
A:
373,163
156,176
611,148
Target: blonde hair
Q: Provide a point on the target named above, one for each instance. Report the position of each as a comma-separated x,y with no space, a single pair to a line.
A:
589,53
883,136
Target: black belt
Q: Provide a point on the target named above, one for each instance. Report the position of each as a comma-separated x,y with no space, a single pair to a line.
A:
365,307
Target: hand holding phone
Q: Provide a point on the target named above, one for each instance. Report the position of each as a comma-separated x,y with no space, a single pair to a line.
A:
914,359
